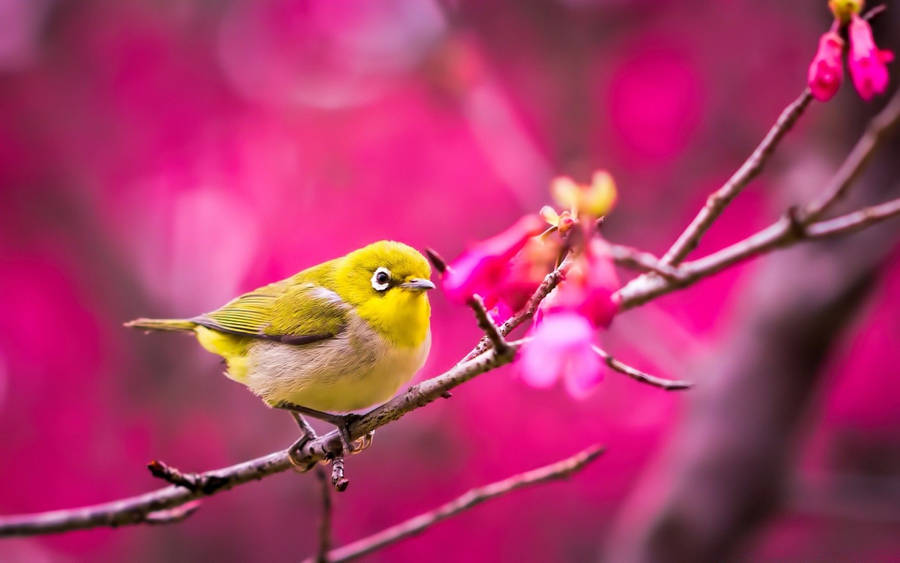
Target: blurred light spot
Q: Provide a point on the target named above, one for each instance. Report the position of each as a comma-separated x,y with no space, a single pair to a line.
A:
214,239
507,145
193,246
655,103
20,27
324,53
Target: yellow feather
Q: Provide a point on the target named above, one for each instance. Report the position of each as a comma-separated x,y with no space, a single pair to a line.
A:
232,348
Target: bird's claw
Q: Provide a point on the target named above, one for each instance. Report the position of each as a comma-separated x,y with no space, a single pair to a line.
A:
363,443
295,454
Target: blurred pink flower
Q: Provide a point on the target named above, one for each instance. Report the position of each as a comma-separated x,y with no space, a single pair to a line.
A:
484,268
827,70
522,277
588,289
562,348
868,63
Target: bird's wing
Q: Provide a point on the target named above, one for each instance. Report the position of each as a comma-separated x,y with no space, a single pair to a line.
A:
285,311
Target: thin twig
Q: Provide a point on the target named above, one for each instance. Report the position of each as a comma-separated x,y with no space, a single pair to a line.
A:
854,221
325,524
559,470
634,373
487,325
783,233
640,260
876,10
140,509
719,200
837,187
795,226
550,282
166,472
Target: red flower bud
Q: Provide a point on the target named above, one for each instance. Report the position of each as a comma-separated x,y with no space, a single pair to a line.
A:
827,69
868,63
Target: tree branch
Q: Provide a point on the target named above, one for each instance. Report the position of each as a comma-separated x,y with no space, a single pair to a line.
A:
640,260
550,282
325,523
667,384
559,470
719,200
877,130
142,508
795,226
854,221
137,509
487,325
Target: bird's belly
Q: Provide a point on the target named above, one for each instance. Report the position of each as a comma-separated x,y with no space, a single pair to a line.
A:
346,373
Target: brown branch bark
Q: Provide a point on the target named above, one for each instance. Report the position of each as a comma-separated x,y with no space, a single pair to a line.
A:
550,282
487,325
325,522
719,200
559,470
639,260
636,374
795,226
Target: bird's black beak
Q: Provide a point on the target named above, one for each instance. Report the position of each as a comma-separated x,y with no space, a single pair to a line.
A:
417,284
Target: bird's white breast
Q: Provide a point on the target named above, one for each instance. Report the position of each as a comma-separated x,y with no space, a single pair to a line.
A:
356,369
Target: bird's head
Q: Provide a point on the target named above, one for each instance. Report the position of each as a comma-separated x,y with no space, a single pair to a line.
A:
386,283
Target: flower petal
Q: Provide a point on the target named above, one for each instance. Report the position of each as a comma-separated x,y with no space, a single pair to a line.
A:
868,64
827,70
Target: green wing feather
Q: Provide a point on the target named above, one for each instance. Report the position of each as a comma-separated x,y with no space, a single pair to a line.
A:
297,310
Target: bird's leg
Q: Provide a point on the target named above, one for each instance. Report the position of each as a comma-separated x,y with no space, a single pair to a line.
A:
306,434
341,421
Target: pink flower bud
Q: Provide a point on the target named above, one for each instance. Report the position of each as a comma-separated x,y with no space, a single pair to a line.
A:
562,348
868,63
482,269
827,69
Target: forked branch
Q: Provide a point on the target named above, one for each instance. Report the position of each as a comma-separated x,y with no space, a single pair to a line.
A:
559,470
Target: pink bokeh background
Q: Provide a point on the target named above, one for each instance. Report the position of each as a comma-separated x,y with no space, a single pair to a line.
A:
157,158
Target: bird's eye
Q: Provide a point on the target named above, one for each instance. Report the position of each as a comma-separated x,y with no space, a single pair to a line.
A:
381,279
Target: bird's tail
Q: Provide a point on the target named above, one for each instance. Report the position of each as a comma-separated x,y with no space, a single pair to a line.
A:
162,324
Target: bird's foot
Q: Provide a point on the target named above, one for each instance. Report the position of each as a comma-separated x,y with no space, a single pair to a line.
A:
364,442
340,421
295,452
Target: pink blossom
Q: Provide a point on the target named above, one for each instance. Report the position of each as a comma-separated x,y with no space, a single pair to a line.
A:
868,63
483,269
827,70
562,348
588,289
522,277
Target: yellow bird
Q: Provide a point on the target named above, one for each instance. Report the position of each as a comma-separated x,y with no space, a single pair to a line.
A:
337,337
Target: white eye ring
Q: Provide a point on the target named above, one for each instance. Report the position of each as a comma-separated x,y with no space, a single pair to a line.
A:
381,279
